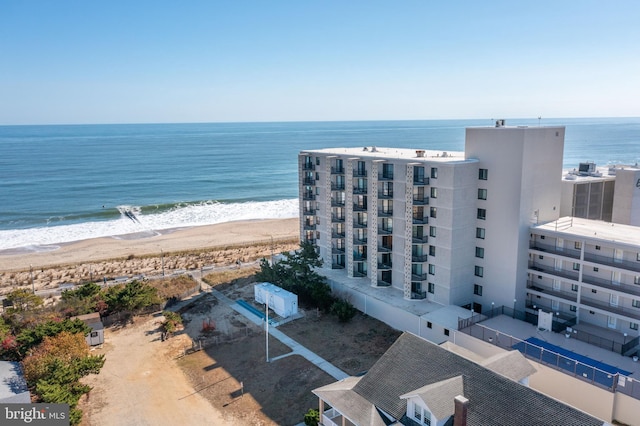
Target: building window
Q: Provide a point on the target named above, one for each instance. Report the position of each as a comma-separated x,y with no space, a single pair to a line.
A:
595,269
574,287
480,252
578,245
433,212
593,290
94,334
432,288
432,232
576,266
636,279
482,214
446,331
432,251
597,247
429,325
633,325
540,257
483,174
635,303
479,272
638,257
480,233
542,237
434,192
477,290
432,269
434,173
573,308
417,413
482,194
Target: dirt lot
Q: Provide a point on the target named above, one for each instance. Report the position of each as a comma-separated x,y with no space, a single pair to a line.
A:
231,372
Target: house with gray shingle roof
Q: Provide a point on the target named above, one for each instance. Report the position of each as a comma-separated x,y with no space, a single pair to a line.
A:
417,382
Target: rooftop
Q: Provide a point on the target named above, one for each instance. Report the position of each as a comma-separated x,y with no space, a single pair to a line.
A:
417,154
594,230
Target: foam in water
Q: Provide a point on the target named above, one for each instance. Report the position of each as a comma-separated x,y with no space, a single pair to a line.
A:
47,238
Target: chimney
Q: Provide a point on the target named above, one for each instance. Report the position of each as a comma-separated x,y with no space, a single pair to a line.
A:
460,411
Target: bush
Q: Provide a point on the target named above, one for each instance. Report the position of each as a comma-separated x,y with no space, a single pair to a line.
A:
344,310
312,417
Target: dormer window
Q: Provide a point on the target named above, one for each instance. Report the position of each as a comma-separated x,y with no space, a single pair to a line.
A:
420,414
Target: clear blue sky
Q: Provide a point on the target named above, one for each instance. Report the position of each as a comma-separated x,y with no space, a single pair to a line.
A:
216,61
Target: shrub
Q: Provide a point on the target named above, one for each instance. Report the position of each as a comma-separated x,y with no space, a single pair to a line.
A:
343,309
312,417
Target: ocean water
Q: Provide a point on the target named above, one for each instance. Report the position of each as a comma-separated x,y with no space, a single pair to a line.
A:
67,183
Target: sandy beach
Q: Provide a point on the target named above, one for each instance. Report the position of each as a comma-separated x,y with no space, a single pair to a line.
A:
129,255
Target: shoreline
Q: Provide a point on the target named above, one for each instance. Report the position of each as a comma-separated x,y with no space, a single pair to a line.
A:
179,248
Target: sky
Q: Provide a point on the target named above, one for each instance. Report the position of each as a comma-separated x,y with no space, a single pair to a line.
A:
79,62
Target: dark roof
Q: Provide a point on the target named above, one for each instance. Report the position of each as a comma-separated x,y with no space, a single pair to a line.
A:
412,363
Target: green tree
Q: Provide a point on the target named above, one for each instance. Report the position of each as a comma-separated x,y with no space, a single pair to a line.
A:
33,336
312,417
130,297
23,300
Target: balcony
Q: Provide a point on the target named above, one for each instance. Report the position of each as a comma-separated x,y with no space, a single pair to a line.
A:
382,283
420,201
359,257
384,249
337,186
359,225
359,274
385,266
337,250
360,241
420,220
536,267
308,166
385,195
337,170
385,231
308,196
310,240
609,261
535,245
418,295
419,277
337,203
309,212
385,212
310,226
420,239
420,181
359,207
337,218
623,288
385,176
419,258
337,234
359,190
539,287
337,266
604,306
359,173
309,181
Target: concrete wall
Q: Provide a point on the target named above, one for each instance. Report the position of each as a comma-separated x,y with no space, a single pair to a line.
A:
626,201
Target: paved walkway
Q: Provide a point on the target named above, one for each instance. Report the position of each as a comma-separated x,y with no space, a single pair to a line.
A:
296,348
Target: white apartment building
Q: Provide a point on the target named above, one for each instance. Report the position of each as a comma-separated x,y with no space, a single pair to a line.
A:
450,228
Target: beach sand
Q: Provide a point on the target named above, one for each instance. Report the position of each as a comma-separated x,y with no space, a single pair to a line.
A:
180,249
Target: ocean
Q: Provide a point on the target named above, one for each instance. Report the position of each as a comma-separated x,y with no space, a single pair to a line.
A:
64,183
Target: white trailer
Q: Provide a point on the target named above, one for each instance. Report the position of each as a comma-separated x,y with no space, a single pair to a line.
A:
282,302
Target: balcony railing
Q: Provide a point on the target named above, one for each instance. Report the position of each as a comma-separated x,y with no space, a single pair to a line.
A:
418,295
616,309
421,201
359,190
386,176
337,266
385,212
337,218
359,207
536,267
309,226
310,240
385,195
535,245
420,180
337,203
419,258
309,181
549,290
359,274
382,283
358,224
385,231
311,211
384,249
359,241
419,277
383,266
422,239
337,170
337,250
359,257
336,234
417,220
308,196
359,173
558,315
308,166
624,288
337,186
605,260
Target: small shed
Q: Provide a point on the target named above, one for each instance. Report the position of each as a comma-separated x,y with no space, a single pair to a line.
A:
283,302
96,335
